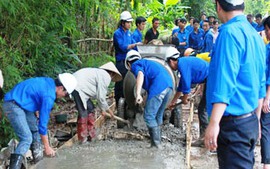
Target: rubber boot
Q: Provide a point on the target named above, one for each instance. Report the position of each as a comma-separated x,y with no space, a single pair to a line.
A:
151,137
37,151
82,129
91,126
160,133
155,137
16,161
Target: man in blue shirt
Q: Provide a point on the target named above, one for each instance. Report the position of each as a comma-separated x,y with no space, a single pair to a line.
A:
155,79
208,38
203,17
195,39
182,34
265,116
189,28
235,88
250,20
20,106
140,24
193,71
122,42
259,27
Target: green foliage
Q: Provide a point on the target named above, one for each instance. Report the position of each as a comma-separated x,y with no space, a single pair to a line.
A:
97,60
257,6
196,7
33,35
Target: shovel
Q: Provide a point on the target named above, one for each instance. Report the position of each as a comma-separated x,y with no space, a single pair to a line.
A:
119,119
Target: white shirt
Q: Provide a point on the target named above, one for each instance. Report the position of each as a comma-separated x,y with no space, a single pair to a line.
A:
93,82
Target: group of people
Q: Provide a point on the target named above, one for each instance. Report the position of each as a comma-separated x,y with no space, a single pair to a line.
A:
236,94
28,105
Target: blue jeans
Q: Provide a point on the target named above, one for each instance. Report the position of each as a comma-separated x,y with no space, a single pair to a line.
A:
236,142
265,139
154,109
25,125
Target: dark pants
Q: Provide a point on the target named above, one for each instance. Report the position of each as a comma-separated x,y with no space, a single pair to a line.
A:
236,142
118,88
79,105
202,114
265,139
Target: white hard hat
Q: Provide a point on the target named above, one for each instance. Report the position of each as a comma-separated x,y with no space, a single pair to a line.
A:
1,79
172,52
126,16
69,81
235,2
132,55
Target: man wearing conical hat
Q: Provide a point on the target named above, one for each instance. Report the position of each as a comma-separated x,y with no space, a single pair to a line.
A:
92,83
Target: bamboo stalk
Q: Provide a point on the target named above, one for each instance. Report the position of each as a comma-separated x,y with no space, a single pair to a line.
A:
94,39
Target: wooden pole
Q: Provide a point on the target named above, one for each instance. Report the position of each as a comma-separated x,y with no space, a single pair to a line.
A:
189,134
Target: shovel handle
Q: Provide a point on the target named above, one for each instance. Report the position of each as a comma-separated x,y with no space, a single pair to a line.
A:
118,118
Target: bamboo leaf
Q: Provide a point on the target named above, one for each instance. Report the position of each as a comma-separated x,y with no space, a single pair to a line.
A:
170,2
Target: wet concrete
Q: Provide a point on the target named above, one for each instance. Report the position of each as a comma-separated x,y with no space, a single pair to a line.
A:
126,153
116,154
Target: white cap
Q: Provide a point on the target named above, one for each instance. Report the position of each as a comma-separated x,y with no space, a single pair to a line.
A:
1,79
234,2
126,16
69,81
132,55
111,67
172,52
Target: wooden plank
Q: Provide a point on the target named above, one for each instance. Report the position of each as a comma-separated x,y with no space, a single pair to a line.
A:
98,123
189,134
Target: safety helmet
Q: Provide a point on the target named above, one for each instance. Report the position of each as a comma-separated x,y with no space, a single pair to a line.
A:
172,52
1,79
132,55
126,16
69,81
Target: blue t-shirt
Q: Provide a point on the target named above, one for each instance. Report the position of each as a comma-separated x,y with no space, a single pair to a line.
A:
182,36
259,28
254,25
195,40
156,77
35,94
137,36
121,40
237,68
193,71
267,72
189,28
207,41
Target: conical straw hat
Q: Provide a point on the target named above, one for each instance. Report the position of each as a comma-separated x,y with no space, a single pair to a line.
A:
111,67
